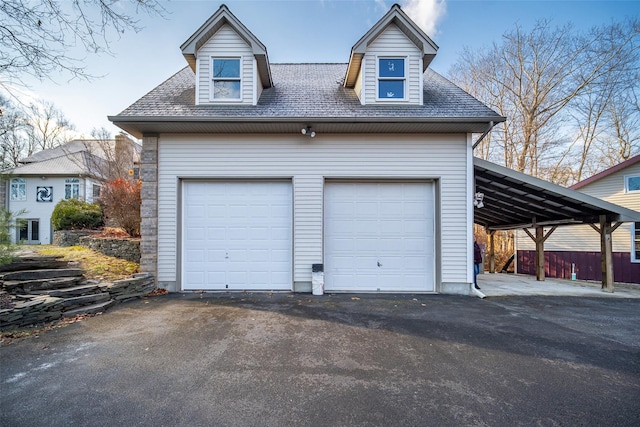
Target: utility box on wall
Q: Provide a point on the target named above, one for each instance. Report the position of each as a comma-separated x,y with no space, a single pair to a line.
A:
317,279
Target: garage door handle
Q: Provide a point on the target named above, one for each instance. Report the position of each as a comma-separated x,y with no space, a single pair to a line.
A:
379,265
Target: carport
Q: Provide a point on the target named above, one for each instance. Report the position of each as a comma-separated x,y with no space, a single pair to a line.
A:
512,200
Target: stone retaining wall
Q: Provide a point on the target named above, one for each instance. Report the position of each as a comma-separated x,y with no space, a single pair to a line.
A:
70,237
45,307
128,249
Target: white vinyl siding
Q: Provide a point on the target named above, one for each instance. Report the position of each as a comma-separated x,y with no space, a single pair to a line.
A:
441,158
393,43
577,238
610,188
226,43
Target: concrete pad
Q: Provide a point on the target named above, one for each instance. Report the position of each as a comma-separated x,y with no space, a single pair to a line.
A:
500,284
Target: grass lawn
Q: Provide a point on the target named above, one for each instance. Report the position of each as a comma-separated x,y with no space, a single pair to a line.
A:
97,266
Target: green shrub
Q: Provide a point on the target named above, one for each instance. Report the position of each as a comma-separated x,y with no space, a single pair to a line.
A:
74,214
7,223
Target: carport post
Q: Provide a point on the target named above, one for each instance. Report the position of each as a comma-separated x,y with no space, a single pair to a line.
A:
606,253
540,238
540,254
492,251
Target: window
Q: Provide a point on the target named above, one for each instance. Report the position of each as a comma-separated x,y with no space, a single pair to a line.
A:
18,189
28,231
635,242
631,183
391,78
226,78
71,188
96,191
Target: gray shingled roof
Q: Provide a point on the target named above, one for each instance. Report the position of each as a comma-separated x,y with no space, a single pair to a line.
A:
305,91
73,164
91,146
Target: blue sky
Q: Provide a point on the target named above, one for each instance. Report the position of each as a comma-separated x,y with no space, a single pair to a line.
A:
298,31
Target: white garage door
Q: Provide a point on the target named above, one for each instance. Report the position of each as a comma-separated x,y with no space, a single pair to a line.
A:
237,236
379,237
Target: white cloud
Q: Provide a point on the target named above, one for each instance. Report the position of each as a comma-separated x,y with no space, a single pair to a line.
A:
425,13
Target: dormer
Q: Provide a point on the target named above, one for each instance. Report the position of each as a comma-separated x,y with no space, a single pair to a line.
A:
387,64
231,65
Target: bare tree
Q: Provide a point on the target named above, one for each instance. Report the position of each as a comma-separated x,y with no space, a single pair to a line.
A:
48,127
606,114
535,78
26,130
623,140
14,129
111,158
37,37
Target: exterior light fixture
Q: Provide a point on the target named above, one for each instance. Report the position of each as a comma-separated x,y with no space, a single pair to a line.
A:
478,200
307,131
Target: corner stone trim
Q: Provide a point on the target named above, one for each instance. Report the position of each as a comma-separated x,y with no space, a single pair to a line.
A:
149,208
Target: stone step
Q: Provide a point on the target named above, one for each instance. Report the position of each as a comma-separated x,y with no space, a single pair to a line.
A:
70,303
34,263
33,286
48,273
74,291
89,309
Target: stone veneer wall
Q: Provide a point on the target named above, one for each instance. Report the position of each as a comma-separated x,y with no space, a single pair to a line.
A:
149,208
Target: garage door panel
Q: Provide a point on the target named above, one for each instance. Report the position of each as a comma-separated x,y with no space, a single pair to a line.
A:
196,233
196,277
197,211
384,242
248,235
196,255
281,255
363,245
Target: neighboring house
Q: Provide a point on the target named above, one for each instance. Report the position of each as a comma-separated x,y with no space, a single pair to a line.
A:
254,173
75,170
576,249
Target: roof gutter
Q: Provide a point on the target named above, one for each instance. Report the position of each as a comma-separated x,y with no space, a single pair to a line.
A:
486,132
284,119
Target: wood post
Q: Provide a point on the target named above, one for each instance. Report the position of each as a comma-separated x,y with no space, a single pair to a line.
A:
492,251
539,239
539,254
606,251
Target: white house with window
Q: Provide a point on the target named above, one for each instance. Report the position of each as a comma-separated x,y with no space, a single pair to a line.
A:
576,249
75,170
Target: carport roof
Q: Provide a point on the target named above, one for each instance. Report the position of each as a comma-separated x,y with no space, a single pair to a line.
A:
515,200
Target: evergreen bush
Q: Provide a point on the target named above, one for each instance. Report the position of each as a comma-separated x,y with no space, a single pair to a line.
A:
74,214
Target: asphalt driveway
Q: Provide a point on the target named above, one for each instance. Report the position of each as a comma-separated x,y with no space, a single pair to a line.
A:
335,360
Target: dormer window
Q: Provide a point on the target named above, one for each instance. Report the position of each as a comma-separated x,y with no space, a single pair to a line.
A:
391,78
226,79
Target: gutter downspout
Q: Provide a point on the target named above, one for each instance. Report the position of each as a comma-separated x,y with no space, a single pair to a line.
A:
486,132
475,292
